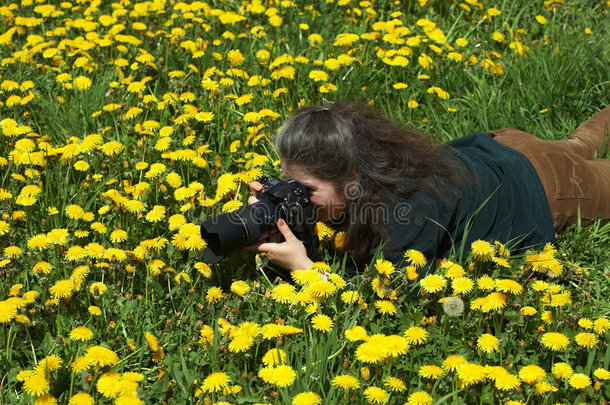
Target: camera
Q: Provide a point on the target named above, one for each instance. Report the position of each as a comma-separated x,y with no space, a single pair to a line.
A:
286,199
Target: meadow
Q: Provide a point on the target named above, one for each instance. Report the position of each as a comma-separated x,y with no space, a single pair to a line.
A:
124,124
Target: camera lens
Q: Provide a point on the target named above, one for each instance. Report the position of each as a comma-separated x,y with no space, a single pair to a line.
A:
231,232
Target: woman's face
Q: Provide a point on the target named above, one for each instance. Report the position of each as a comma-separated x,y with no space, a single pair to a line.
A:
328,201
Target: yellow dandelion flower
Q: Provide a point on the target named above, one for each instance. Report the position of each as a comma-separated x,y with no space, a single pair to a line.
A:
385,307
50,363
586,340
349,297
81,333
547,317
307,398
213,294
62,289
274,357
376,395
579,381
112,148
240,343
528,311
452,270
555,341
322,323
462,285
601,374
482,250
433,283
240,288
430,371
100,356
531,374
13,252
372,351
4,228
356,333
283,376
507,381
494,302
487,343
94,310
562,370
601,325
509,286
283,293
318,75
471,373
396,345
415,258
81,398
36,385
204,269
327,88
82,83
346,382
419,398
453,362
416,335
8,311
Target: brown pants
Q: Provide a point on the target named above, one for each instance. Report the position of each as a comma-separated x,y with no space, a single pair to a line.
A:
575,182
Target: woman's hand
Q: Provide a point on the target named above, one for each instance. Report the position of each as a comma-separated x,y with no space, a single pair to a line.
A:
290,254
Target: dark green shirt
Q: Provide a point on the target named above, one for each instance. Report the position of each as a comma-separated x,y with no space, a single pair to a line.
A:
504,202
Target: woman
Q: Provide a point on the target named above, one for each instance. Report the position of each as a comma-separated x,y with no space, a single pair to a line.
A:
385,184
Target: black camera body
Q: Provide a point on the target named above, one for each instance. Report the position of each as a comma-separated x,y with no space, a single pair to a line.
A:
233,231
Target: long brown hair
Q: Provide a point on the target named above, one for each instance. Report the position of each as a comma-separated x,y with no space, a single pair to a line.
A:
392,163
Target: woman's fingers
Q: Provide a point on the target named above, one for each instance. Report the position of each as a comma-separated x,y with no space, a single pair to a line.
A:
286,232
255,187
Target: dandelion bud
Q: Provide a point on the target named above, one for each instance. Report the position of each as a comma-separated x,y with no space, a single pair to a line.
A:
453,306
365,373
346,363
